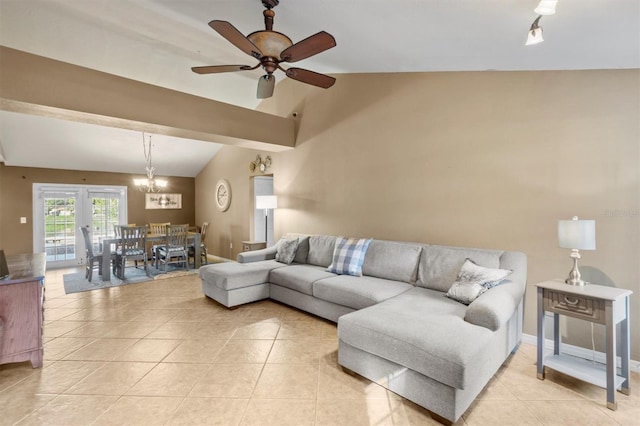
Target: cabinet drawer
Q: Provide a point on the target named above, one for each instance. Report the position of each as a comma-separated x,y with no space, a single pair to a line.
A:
574,306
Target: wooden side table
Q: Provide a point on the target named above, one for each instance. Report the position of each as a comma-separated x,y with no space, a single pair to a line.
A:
593,303
253,245
21,304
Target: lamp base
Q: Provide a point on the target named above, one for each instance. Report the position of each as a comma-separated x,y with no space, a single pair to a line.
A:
577,282
574,274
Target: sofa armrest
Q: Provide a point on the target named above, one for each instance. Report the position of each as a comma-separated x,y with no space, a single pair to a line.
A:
496,306
493,308
268,253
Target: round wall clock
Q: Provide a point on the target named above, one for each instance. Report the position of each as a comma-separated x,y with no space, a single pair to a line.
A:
223,195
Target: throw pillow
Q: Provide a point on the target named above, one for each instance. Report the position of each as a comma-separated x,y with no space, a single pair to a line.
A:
348,256
286,251
473,280
465,292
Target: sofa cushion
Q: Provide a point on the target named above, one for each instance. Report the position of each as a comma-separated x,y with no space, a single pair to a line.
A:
392,260
299,277
357,292
348,255
439,266
231,275
286,251
424,331
321,250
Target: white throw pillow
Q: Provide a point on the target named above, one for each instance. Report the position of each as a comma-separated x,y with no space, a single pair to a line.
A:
473,280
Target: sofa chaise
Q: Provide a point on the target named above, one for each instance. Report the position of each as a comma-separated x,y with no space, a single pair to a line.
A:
396,325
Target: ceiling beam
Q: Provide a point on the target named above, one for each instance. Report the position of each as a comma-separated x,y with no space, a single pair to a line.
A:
37,85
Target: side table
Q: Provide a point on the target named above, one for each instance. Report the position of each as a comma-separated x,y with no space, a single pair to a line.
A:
253,245
593,303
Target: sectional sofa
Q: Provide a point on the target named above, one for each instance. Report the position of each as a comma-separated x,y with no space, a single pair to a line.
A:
396,325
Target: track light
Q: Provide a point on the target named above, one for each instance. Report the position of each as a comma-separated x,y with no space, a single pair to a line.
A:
535,33
546,7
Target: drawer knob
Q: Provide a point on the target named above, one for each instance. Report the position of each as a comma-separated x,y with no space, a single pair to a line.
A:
571,302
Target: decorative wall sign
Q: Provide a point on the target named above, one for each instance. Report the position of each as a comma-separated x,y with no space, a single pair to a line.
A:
159,200
260,165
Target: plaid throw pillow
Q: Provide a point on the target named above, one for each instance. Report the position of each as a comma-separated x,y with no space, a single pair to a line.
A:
348,256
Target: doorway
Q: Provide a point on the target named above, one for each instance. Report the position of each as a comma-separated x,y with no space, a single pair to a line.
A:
263,185
59,210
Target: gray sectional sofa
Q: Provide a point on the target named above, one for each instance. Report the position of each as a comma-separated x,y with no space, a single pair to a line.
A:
395,325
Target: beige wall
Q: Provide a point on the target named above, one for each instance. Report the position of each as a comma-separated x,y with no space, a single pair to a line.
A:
227,229
16,200
490,159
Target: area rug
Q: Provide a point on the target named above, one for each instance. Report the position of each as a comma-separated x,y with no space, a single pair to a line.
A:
76,282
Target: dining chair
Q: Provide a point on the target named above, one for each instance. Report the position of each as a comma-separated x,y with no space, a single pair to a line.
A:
203,246
94,258
174,249
159,228
132,245
116,229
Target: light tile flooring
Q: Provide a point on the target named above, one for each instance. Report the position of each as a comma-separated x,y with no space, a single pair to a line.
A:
160,353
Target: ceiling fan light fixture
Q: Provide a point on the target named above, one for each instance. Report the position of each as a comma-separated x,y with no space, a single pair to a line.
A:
535,33
270,43
271,49
546,7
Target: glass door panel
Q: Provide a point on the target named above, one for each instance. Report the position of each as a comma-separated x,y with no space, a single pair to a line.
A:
105,214
60,227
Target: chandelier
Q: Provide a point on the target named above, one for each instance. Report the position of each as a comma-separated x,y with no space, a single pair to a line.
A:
150,183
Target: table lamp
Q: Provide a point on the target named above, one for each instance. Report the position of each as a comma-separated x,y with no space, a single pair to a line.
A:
266,202
576,235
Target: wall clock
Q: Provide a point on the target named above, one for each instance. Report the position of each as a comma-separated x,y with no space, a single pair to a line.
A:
223,195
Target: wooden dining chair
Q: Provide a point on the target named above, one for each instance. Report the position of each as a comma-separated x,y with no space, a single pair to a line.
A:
132,245
93,258
203,246
159,228
174,249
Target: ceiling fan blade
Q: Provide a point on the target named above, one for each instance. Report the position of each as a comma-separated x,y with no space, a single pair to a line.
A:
265,86
219,68
308,47
235,37
310,77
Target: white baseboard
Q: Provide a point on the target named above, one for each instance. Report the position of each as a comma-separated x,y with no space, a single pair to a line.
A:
579,352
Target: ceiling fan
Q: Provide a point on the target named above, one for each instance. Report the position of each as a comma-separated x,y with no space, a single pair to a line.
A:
272,48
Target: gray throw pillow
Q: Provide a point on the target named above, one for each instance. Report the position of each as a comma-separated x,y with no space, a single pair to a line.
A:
473,280
286,251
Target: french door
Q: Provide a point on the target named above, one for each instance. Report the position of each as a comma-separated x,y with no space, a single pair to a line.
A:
59,210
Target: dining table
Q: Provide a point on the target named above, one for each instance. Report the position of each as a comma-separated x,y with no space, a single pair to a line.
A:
109,242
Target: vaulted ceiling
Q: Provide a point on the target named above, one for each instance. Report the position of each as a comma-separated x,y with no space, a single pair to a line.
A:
158,41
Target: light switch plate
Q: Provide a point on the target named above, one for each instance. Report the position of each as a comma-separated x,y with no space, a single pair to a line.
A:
23,220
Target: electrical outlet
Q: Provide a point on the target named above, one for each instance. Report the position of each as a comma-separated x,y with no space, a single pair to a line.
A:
230,245
23,220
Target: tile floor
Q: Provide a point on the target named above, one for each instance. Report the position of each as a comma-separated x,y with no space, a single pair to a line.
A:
160,353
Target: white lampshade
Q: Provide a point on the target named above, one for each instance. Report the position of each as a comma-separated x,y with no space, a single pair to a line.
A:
534,36
266,202
546,7
577,234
